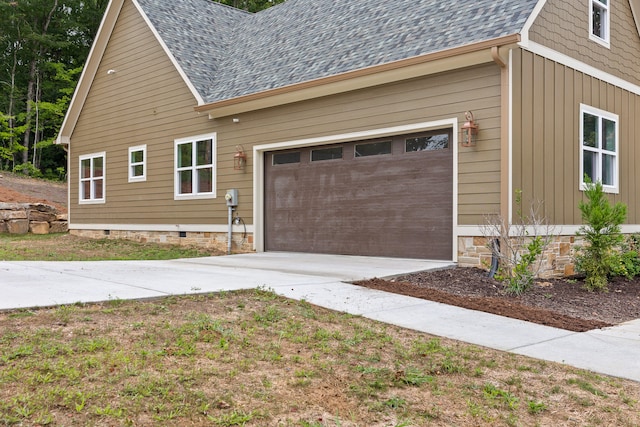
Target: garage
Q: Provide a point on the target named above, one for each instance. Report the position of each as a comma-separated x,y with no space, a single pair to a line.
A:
381,197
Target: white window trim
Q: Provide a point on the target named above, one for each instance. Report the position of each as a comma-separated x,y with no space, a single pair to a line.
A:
606,42
142,177
616,176
92,200
214,172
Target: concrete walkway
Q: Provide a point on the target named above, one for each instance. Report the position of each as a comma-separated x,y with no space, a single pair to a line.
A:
320,280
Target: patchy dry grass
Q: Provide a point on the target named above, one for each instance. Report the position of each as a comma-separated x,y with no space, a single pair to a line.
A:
252,358
65,247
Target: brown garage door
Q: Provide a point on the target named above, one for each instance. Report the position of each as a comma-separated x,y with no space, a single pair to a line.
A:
384,197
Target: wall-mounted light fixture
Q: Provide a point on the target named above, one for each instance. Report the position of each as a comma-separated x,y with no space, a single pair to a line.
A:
111,71
239,159
468,131
235,120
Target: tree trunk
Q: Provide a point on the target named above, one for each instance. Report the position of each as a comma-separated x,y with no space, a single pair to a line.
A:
30,99
33,70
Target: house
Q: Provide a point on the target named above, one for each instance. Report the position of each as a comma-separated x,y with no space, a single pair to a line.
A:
349,114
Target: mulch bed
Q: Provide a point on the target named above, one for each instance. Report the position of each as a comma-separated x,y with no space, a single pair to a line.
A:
561,303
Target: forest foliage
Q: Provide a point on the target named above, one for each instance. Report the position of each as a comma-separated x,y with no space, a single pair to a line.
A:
43,47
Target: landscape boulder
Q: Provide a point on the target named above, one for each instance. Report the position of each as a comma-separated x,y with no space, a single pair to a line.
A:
37,218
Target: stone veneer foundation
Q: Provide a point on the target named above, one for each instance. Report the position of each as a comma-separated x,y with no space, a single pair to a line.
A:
472,251
208,240
557,259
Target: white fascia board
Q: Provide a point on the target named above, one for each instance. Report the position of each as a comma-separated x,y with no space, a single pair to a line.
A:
580,66
172,58
193,228
524,35
635,10
89,71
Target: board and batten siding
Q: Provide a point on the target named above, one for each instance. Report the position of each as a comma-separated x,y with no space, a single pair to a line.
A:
564,26
546,140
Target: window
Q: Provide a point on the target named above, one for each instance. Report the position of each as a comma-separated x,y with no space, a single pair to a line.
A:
326,154
92,178
138,163
599,21
373,149
195,175
599,147
286,158
427,143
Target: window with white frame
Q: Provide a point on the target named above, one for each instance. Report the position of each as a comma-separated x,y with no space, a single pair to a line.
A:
194,167
599,147
138,163
599,21
92,178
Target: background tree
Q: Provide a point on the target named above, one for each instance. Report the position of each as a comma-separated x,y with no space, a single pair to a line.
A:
251,5
43,45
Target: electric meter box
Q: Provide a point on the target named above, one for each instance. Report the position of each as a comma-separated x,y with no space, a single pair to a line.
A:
232,197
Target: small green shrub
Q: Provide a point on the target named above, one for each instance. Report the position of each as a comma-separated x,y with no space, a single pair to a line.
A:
28,169
629,265
599,258
521,245
522,274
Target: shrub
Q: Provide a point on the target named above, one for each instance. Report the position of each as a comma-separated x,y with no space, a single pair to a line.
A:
521,245
28,169
599,259
629,262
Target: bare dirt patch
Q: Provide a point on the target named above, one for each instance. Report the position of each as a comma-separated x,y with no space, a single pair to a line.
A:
18,189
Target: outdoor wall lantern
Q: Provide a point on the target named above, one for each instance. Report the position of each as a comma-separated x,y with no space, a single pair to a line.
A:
468,131
239,159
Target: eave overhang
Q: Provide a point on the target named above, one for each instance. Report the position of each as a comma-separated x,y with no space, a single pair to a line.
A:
432,63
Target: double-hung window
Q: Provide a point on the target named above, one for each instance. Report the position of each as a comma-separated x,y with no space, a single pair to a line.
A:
599,21
599,147
195,167
92,178
138,163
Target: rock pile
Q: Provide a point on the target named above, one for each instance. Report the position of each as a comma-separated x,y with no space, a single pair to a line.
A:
36,218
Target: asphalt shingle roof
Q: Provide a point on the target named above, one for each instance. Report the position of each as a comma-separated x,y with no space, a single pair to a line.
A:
228,53
198,34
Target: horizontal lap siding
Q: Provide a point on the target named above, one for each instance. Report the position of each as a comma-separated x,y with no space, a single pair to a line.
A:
425,99
146,102
546,140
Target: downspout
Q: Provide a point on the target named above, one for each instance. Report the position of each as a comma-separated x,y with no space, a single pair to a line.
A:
505,154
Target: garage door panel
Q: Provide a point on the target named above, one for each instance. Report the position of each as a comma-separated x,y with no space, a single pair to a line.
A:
397,204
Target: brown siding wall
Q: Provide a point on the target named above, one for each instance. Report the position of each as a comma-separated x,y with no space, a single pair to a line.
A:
564,26
426,99
146,102
546,115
